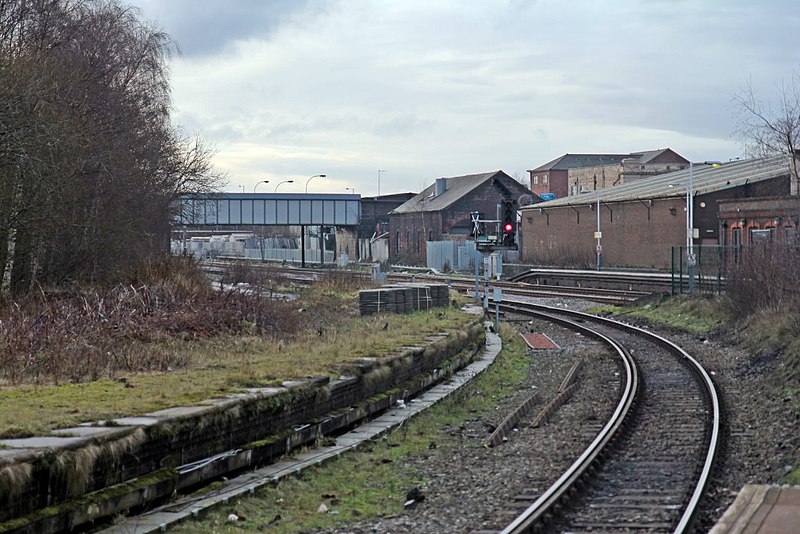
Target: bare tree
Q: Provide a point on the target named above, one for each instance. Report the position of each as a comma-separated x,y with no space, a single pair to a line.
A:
772,127
89,162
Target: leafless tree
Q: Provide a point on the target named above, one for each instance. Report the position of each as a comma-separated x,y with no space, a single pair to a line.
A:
772,127
90,163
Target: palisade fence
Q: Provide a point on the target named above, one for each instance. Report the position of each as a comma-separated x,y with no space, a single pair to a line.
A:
712,265
458,255
269,249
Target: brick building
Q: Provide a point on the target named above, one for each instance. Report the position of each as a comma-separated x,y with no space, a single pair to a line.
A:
641,221
573,174
744,222
373,228
442,210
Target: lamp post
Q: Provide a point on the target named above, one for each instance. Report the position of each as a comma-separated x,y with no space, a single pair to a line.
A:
598,235
315,176
690,260
261,182
351,189
379,180
283,182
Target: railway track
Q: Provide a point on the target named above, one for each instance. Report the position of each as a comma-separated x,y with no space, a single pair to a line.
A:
528,284
649,466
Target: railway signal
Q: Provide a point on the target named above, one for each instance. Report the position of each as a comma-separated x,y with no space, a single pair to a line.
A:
477,227
508,220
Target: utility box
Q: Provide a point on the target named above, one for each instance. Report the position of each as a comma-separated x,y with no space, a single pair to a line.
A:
496,265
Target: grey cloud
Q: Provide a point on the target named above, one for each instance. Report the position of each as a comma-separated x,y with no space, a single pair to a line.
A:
208,28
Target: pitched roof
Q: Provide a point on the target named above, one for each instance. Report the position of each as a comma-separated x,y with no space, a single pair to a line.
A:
705,179
456,188
574,161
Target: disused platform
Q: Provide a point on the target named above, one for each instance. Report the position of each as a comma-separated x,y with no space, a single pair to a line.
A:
762,509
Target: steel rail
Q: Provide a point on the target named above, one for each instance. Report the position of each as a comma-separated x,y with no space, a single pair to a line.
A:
536,513
593,294
704,379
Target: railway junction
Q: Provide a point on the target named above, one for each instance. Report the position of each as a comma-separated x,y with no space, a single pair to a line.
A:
763,509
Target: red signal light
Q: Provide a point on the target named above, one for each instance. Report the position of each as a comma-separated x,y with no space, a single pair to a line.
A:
508,227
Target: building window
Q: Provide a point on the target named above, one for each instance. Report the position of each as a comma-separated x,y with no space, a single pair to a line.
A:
760,235
535,180
544,179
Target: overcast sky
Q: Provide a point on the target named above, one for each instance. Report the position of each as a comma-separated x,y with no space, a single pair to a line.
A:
286,89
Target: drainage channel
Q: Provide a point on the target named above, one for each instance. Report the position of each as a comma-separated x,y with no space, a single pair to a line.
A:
159,519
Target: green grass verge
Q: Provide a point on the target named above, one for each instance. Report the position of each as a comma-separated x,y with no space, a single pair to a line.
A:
371,483
698,315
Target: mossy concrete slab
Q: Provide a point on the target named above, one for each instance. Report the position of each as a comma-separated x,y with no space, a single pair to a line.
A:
179,411
42,442
136,421
92,431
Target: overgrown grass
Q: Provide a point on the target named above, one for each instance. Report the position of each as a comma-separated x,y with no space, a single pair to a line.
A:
695,314
372,482
83,356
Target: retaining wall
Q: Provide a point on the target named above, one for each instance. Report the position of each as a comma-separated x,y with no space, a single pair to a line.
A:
86,473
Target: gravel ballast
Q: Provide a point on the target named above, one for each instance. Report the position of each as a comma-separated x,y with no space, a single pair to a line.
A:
474,487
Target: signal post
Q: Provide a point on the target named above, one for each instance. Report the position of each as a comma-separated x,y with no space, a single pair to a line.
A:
504,238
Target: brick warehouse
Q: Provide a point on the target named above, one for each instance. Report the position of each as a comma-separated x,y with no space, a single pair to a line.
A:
640,222
573,174
441,211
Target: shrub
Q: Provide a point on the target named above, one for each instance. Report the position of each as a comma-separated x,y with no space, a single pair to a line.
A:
764,278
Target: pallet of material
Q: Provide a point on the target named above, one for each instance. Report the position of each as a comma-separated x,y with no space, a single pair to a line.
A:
403,298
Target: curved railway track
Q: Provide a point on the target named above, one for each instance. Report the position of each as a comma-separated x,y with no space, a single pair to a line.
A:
648,468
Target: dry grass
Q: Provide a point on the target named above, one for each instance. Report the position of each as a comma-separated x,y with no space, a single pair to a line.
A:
765,278
132,350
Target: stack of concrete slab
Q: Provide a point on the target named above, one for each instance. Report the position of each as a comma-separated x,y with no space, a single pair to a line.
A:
403,298
382,300
429,295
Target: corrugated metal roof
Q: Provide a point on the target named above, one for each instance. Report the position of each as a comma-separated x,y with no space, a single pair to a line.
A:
705,179
457,187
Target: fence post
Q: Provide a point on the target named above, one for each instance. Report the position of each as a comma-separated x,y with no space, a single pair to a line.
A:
672,271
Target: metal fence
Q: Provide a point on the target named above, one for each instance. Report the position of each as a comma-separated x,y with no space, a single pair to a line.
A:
711,263
458,255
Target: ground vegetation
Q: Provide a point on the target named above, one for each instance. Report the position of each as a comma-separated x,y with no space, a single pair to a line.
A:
168,337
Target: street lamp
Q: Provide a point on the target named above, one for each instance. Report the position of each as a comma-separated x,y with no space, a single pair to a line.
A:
691,260
351,189
315,176
283,182
261,182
